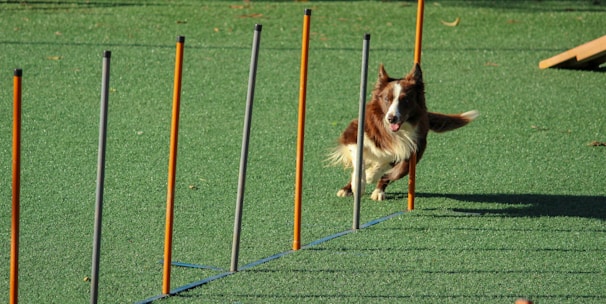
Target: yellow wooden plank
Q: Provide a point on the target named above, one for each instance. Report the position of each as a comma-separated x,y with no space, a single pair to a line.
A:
591,49
583,56
562,58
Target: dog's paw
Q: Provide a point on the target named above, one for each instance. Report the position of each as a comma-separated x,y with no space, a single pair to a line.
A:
377,195
344,193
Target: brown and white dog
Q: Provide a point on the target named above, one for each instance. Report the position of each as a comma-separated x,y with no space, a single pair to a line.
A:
395,125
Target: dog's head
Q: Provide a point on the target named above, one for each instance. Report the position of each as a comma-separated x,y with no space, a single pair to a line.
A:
402,100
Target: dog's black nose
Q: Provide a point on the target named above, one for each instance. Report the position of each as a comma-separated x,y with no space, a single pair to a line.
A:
391,118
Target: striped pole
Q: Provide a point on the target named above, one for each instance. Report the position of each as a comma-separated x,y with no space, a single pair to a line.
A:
412,162
361,113
94,291
14,260
300,131
172,167
245,143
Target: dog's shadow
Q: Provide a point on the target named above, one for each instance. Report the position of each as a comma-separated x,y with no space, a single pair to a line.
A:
535,205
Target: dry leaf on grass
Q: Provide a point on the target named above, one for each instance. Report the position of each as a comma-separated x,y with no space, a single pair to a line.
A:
253,15
240,6
453,24
54,57
597,144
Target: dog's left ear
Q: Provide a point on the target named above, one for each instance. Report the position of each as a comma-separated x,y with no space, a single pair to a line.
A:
415,74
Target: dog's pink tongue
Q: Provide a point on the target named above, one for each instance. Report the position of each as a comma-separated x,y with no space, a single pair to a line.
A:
394,127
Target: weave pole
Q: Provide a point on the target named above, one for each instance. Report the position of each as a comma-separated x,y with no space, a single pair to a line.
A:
245,142
360,153
16,188
412,162
296,245
419,31
172,167
94,289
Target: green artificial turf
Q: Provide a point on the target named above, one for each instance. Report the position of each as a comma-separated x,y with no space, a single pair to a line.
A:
513,205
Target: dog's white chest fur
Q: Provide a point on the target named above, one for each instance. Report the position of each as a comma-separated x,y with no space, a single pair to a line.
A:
376,160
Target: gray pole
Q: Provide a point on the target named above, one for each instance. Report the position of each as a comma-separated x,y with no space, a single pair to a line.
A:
361,112
244,155
100,178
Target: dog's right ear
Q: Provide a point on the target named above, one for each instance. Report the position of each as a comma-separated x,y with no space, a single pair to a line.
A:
383,78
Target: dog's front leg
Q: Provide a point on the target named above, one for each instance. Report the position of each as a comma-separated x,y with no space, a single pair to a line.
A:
378,194
351,187
354,184
398,171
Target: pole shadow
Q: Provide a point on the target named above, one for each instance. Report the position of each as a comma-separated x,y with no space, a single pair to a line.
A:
535,205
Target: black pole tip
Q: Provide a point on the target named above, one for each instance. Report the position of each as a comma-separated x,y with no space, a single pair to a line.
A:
367,36
181,39
258,27
308,11
107,54
18,72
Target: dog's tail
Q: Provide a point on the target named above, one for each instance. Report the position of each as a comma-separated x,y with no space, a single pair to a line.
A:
446,122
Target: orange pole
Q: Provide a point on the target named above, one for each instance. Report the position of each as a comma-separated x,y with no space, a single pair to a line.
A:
300,132
14,260
412,165
172,167
419,31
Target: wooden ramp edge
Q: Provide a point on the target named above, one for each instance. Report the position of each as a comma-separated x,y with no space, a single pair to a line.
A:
585,56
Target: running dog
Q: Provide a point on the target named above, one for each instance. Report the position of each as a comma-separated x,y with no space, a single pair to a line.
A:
396,124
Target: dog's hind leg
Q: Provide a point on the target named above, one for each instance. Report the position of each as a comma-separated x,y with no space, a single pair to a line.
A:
345,191
349,189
